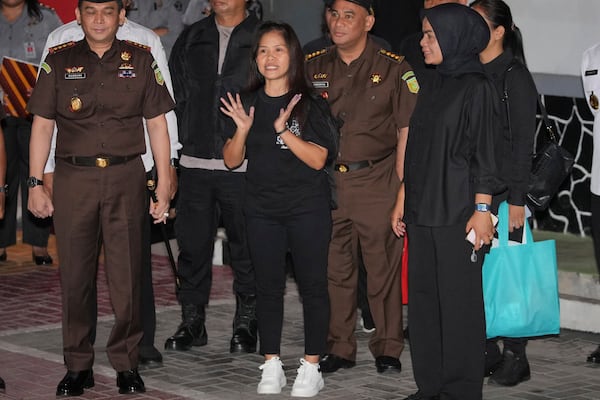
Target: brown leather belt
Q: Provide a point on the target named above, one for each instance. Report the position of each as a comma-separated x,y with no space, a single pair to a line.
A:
99,161
354,166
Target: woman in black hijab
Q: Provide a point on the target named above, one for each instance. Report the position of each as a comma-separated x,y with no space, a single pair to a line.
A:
450,176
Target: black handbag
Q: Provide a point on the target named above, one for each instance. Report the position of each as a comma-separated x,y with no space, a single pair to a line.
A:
551,165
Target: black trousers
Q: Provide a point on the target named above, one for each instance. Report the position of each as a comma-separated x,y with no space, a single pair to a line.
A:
447,321
17,132
307,236
203,194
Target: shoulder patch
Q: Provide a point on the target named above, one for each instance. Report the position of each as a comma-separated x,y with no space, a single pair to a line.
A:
315,54
157,73
391,56
138,45
411,81
61,47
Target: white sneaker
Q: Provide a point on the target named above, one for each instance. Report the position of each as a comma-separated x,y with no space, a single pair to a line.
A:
273,377
309,381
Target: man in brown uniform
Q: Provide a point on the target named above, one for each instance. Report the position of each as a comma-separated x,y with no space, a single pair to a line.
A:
98,90
373,92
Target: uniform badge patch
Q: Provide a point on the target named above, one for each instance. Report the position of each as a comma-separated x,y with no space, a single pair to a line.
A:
411,81
158,74
594,101
376,78
125,56
46,68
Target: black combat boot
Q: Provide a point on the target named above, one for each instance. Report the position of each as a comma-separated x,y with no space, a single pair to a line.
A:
513,370
191,331
244,325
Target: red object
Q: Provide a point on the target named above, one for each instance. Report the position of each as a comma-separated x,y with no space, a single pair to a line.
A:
404,272
64,8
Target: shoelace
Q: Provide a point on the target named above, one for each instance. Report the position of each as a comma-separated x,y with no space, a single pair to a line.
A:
303,369
270,364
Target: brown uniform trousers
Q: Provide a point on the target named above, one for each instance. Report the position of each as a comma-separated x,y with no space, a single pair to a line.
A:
365,201
94,206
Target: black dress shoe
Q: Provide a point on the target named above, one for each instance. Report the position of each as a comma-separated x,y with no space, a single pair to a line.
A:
331,363
130,382
594,357
149,356
74,382
2,385
3,256
387,363
421,396
42,260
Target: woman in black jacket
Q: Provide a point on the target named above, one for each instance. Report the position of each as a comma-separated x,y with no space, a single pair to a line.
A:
504,62
450,176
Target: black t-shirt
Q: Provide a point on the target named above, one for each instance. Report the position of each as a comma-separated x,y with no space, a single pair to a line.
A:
278,182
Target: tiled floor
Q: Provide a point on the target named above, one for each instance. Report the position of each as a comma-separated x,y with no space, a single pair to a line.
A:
31,355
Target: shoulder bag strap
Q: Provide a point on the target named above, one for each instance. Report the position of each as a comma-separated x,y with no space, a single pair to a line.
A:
547,124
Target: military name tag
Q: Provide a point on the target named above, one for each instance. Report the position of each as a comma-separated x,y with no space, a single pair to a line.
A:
75,75
591,72
320,84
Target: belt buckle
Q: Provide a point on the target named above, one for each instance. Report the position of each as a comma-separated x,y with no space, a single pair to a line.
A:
102,162
342,168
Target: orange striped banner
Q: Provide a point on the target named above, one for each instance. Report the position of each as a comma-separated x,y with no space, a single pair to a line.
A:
17,79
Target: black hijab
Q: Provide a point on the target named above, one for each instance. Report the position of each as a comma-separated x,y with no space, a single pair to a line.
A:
462,34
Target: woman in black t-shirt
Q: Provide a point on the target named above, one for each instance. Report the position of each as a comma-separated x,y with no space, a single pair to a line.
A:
285,133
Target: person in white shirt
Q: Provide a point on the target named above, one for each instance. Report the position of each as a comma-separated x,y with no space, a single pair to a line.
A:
134,32
590,75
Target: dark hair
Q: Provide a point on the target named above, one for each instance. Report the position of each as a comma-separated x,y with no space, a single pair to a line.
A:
497,12
33,10
296,76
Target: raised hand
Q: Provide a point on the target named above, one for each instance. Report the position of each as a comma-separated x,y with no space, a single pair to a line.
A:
284,114
233,108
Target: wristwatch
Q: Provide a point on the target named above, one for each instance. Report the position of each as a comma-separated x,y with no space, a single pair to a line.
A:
483,207
32,181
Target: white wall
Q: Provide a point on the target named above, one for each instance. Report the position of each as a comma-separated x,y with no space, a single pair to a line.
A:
556,32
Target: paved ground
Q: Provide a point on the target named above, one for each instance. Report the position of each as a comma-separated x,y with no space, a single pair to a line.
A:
31,359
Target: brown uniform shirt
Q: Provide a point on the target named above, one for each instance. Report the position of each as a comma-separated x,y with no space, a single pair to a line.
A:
373,96
98,103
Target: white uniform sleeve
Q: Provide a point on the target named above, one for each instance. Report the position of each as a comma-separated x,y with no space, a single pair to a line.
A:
140,34
65,33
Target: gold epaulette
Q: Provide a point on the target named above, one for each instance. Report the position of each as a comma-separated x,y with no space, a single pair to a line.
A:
315,54
391,55
138,45
61,47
